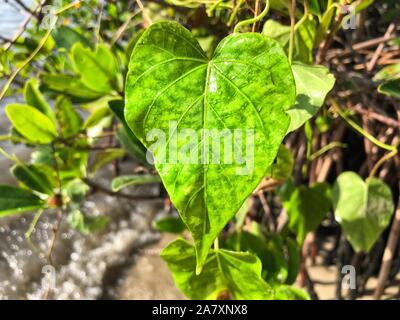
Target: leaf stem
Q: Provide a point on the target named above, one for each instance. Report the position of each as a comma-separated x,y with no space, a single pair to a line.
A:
235,12
381,161
360,130
216,244
334,144
32,226
304,18
252,20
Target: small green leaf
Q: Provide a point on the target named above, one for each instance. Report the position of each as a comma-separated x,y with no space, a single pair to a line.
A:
303,42
294,260
270,251
246,85
236,272
125,135
390,88
136,179
314,7
132,145
285,292
34,98
71,86
170,224
33,177
324,25
306,207
363,209
98,70
31,123
388,73
96,116
282,168
76,190
69,119
66,37
313,83
86,225
16,200
105,157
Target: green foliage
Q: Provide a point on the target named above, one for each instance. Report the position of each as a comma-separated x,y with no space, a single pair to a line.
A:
306,206
68,117
34,177
34,98
169,224
98,69
16,200
388,73
125,135
237,273
135,179
106,156
304,38
181,80
240,68
66,37
70,85
277,267
31,123
313,83
282,167
363,208
84,224
390,88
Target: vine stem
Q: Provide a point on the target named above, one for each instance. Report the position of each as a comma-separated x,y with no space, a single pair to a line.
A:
360,130
235,12
381,161
146,19
256,10
334,144
252,20
304,18
292,11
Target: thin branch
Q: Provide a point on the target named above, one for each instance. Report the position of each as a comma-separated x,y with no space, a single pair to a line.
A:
379,49
23,6
256,10
388,255
326,44
376,116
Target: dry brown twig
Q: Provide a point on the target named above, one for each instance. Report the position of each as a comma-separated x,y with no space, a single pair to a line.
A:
379,49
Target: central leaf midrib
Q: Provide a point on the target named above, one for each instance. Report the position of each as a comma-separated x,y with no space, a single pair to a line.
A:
204,126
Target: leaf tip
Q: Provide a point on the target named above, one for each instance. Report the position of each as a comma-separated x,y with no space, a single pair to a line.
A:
199,268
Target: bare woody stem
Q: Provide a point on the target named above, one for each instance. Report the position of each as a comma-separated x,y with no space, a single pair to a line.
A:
388,254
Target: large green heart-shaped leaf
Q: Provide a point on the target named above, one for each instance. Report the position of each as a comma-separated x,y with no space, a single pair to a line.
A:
313,83
237,273
172,86
363,209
